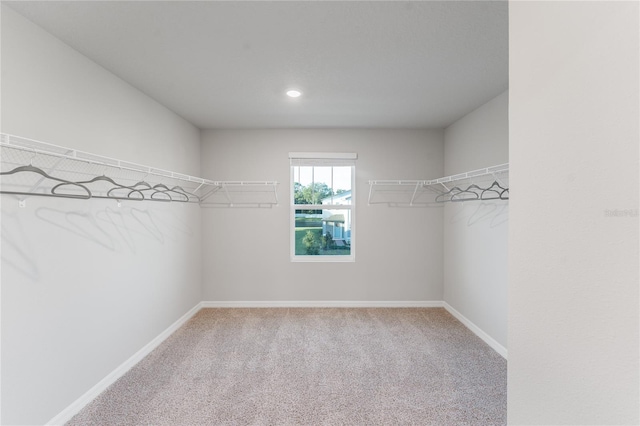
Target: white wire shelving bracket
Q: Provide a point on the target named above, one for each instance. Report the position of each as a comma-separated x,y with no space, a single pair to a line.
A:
92,170
421,192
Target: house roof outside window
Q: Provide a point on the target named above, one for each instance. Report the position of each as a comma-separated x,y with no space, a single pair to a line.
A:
339,199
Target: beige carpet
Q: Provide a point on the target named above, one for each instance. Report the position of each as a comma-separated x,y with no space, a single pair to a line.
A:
311,367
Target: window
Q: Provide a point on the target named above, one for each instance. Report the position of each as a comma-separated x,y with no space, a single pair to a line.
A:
322,206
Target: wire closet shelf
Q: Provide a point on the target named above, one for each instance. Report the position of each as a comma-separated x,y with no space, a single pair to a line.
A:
33,168
489,183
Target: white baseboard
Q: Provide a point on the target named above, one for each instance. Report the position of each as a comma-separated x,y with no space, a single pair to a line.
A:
323,304
477,330
92,393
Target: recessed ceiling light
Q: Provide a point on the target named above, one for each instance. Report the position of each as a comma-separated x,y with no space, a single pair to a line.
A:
294,93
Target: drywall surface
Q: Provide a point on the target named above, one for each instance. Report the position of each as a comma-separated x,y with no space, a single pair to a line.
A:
573,232
479,139
86,284
476,233
246,251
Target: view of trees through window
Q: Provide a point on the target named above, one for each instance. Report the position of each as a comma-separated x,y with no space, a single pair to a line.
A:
324,228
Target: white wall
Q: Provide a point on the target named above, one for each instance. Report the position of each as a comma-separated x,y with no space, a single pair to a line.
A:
573,270
399,250
475,233
479,139
84,284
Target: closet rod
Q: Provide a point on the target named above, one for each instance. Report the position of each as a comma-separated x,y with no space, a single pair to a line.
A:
67,160
27,145
501,168
406,192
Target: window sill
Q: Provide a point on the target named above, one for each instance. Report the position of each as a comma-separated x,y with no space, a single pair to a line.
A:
323,259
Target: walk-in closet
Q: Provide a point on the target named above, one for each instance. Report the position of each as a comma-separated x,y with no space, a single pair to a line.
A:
319,213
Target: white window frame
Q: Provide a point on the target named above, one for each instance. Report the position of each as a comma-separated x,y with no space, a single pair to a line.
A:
326,159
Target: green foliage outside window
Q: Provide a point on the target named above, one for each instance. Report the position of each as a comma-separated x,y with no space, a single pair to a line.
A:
311,243
312,194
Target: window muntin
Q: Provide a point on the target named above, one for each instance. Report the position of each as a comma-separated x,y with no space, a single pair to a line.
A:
322,209
321,185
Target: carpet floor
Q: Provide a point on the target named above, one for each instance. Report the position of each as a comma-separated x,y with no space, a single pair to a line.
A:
311,366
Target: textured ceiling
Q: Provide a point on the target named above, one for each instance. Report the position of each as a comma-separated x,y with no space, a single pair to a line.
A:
358,64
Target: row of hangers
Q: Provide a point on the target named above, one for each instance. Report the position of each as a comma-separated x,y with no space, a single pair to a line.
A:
138,192
474,193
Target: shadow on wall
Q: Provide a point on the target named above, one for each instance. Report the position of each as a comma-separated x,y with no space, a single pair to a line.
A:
116,230
131,223
17,252
493,214
82,224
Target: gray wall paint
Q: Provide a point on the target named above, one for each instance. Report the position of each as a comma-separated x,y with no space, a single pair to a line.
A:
573,271
475,234
86,284
246,251
479,139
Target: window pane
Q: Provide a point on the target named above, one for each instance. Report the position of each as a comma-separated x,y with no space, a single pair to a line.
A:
341,179
303,174
302,179
341,186
323,233
312,185
322,185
